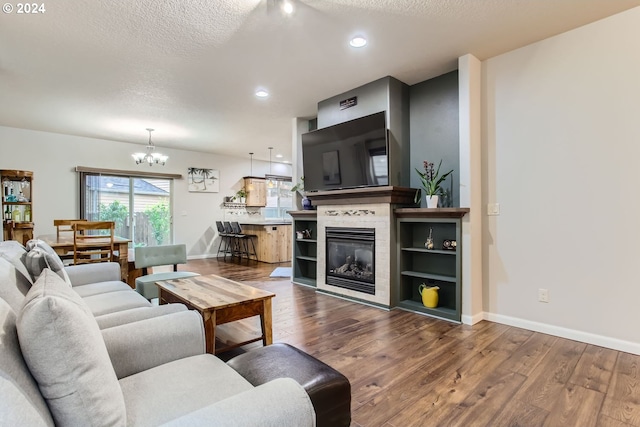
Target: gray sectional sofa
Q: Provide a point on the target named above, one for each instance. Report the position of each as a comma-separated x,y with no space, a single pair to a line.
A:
111,301
69,358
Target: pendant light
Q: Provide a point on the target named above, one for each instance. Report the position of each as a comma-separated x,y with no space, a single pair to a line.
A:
250,186
150,157
270,182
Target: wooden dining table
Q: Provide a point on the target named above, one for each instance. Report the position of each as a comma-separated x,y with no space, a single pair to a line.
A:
64,243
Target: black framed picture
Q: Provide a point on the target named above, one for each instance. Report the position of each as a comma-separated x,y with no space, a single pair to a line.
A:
331,168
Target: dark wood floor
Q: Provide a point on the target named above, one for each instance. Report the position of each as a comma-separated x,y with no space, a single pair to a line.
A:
407,369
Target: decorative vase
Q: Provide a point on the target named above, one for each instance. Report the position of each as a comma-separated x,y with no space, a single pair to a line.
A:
243,200
306,204
429,243
429,295
432,201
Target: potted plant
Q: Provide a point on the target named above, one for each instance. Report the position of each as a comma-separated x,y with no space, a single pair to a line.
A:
242,195
299,187
431,180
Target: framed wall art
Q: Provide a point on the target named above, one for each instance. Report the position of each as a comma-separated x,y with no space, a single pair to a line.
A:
201,180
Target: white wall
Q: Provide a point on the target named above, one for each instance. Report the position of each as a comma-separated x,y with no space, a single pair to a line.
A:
53,157
561,146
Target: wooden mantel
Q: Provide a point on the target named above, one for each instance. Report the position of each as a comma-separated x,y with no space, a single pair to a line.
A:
367,195
431,213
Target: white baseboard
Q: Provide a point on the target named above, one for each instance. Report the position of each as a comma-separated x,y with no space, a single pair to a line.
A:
202,256
472,320
572,334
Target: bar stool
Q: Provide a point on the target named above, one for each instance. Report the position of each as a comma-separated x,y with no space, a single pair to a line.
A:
243,242
233,240
225,240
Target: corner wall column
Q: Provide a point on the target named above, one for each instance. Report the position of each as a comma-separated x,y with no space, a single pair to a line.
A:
469,75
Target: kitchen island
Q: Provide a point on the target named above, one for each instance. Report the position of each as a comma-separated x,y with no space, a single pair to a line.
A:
273,241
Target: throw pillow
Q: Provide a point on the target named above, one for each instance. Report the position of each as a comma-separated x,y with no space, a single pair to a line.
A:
16,254
65,352
13,285
40,256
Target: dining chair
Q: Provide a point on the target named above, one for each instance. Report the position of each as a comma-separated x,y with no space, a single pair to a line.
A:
65,226
93,241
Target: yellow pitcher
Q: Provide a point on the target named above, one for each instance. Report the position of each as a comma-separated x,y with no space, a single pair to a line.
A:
429,295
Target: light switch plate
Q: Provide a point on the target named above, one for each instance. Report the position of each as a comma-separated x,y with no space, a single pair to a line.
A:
493,209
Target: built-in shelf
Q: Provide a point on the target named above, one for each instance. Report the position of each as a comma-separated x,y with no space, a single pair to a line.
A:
304,264
422,275
429,251
433,267
442,312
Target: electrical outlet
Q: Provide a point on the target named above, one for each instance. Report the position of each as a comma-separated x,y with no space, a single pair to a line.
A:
493,209
543,295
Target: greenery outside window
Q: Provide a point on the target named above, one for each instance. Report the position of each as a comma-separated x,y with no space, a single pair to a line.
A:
141,207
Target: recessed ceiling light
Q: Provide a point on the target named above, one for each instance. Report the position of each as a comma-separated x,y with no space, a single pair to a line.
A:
262,93
358,41
287,7
279,156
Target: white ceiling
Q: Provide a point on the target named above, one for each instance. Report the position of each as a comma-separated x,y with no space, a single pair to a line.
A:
189,68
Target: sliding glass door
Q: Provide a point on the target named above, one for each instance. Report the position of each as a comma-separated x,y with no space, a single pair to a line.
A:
140,207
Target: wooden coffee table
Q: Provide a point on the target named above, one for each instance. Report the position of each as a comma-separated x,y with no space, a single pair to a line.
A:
219,301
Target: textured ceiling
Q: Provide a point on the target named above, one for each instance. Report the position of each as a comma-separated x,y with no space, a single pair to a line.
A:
189,68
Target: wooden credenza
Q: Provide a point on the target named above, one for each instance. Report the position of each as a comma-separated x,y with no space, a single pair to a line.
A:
273,241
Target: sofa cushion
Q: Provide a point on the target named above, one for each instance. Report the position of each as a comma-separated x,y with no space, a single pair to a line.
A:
112,302
65,352
40,256
187,385
101,288
16,254
21,402
13,285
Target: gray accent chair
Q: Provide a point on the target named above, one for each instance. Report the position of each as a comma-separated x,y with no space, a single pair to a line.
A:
155,256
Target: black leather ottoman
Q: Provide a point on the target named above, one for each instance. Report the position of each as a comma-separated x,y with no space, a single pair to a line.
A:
329,390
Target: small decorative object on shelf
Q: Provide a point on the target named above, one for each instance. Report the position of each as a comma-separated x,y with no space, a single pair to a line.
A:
429,243
242,195
449,245
299,187
306,234
429,295
431,180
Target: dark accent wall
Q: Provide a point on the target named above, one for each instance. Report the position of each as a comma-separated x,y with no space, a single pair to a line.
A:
434,130
423,122
385,94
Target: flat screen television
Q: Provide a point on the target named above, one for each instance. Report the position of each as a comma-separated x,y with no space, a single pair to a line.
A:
347,155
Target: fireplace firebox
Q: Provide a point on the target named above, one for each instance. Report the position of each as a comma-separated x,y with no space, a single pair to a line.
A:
351,258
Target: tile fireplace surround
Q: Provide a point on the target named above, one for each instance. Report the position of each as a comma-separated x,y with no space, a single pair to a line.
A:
363,208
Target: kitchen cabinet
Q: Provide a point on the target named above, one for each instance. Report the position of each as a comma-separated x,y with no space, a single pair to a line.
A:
256,191
272,241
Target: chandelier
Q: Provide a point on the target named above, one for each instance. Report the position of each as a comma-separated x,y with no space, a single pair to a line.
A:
150,157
